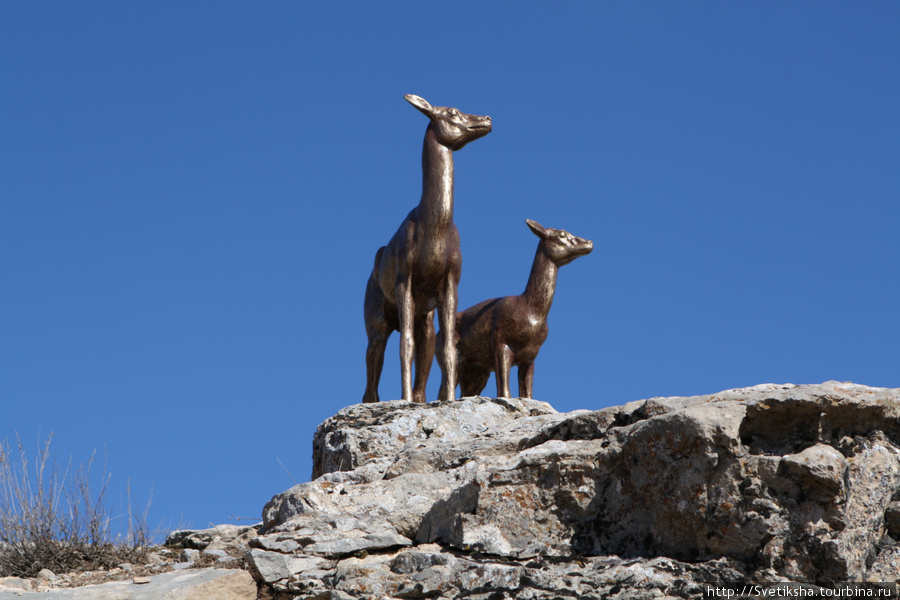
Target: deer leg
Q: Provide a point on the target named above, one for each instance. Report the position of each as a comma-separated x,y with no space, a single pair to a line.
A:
423,334
503,356
526,379
378,330
472,381
405,310
447,317
374,363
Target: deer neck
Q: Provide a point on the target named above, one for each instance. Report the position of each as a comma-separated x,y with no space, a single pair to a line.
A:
436,205
541,282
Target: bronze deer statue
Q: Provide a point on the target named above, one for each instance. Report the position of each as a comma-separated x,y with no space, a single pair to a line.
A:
496,334
418,271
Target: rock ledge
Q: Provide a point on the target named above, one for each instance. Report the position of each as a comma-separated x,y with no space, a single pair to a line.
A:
500,498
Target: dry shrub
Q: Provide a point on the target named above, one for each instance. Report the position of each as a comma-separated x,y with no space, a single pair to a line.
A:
50,518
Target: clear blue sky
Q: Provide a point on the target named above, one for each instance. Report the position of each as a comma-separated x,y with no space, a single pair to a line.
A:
191,196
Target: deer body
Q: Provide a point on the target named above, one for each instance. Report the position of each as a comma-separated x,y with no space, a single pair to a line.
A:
418,271
496,334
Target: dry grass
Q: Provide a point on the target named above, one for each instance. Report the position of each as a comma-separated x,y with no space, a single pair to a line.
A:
51,519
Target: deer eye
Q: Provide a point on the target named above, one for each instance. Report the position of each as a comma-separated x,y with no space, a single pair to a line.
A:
453,113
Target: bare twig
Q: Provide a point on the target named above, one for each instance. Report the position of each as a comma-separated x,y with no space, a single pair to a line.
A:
50,517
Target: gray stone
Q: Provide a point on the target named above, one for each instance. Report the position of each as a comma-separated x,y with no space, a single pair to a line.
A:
231,538
364,433
351,545
189,555
818,469
399,504
46,575
273,566
277,543
14,583
195,584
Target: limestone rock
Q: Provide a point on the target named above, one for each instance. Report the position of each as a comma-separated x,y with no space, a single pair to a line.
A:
365,434
47,575
819,470
501,498
199,584
14,583
233,539
273,566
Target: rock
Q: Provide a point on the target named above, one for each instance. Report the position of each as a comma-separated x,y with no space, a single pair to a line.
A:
892,519
431,571
273,566
218,555
196,584
501,498
886,565
364,434
819,470
14,583
189,555
46,575
230,538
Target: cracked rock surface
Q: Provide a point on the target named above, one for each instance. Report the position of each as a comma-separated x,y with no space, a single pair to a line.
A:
500,498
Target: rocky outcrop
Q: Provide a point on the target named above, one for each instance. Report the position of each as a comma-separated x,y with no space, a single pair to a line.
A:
494,498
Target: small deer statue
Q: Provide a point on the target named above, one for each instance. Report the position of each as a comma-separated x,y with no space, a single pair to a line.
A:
418,271
497,334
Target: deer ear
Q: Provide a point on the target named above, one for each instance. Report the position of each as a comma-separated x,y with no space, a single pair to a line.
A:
420,103
537,228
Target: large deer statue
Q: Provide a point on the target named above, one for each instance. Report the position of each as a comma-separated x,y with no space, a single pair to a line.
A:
497,334
418,271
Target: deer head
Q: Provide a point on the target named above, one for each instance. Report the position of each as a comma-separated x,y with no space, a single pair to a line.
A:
559,245
453,129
